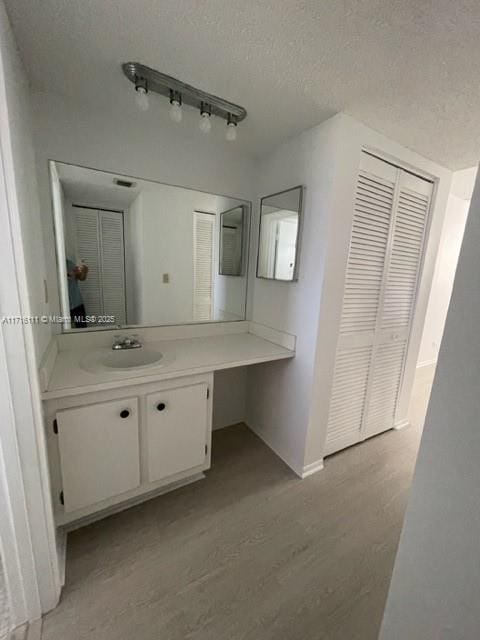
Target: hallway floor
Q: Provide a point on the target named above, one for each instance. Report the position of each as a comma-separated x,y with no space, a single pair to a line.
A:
250,553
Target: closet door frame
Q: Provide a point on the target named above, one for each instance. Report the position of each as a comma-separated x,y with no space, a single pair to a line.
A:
379,333
403,399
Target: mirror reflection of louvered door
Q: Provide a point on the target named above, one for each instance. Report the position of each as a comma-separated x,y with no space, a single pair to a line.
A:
203,234
113,265
88,249
384,263
100,245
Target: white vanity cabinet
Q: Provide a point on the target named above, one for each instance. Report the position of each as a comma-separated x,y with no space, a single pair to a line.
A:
113,448
177,422
99,451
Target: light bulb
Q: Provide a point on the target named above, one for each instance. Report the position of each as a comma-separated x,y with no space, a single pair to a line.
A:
141,98
231,134
176,111
205,123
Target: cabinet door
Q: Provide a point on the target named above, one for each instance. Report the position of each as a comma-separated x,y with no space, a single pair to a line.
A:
176,430
99,451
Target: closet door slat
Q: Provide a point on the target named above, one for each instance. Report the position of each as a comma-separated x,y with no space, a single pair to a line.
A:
405,263
386,380
348,397
368,245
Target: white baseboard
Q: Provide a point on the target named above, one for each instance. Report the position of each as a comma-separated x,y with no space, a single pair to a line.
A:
313,467
401,424
427,363
302,471
294,466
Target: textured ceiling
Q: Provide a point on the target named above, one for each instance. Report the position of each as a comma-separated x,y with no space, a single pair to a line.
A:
408,69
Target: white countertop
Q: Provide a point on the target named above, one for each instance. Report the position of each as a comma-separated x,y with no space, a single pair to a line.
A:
184,356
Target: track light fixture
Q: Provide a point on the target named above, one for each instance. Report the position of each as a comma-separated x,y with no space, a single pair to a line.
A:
141,91
231,133
175,106
205,123
147,80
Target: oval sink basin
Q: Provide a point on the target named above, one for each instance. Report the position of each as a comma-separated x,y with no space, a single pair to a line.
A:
121,360
128,358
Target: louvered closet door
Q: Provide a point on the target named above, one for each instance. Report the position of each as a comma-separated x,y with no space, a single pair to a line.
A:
403,267
374,203
88,250
112,264
379,295
203,233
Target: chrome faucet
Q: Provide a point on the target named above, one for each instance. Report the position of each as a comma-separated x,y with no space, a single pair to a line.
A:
126,342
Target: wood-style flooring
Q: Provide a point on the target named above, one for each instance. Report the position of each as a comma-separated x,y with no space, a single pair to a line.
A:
249,553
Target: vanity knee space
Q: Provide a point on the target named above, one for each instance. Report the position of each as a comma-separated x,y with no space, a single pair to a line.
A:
118,447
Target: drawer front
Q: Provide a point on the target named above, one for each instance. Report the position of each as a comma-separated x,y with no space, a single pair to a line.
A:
99,451
176,430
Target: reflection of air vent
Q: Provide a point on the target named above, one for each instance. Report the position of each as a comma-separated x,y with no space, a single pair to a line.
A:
124,183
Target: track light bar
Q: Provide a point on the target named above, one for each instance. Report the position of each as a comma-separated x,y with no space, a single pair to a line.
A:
165,85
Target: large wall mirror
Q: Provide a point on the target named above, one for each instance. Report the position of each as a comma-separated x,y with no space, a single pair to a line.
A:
132,252
280,224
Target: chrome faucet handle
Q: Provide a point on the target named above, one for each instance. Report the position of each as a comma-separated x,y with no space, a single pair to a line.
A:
117,341
126,342
135,340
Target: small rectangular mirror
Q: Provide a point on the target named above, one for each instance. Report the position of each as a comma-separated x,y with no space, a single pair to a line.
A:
232,241
278,246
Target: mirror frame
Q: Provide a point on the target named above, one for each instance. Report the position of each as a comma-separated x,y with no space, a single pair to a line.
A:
243,207
296,266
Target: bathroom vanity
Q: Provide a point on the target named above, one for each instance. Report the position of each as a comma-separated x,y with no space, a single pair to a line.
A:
128,411
120,430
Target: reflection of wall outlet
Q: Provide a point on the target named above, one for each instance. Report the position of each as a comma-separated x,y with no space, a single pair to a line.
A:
166,278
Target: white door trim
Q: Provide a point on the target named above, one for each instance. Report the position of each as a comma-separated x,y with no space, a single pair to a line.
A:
28,531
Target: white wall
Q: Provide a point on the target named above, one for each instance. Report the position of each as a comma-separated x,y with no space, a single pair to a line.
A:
436,578
446,264
450,243
229,397
279,394
287,404
5,623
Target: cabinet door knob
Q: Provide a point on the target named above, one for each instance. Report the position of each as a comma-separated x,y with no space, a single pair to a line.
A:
161,406
125,413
